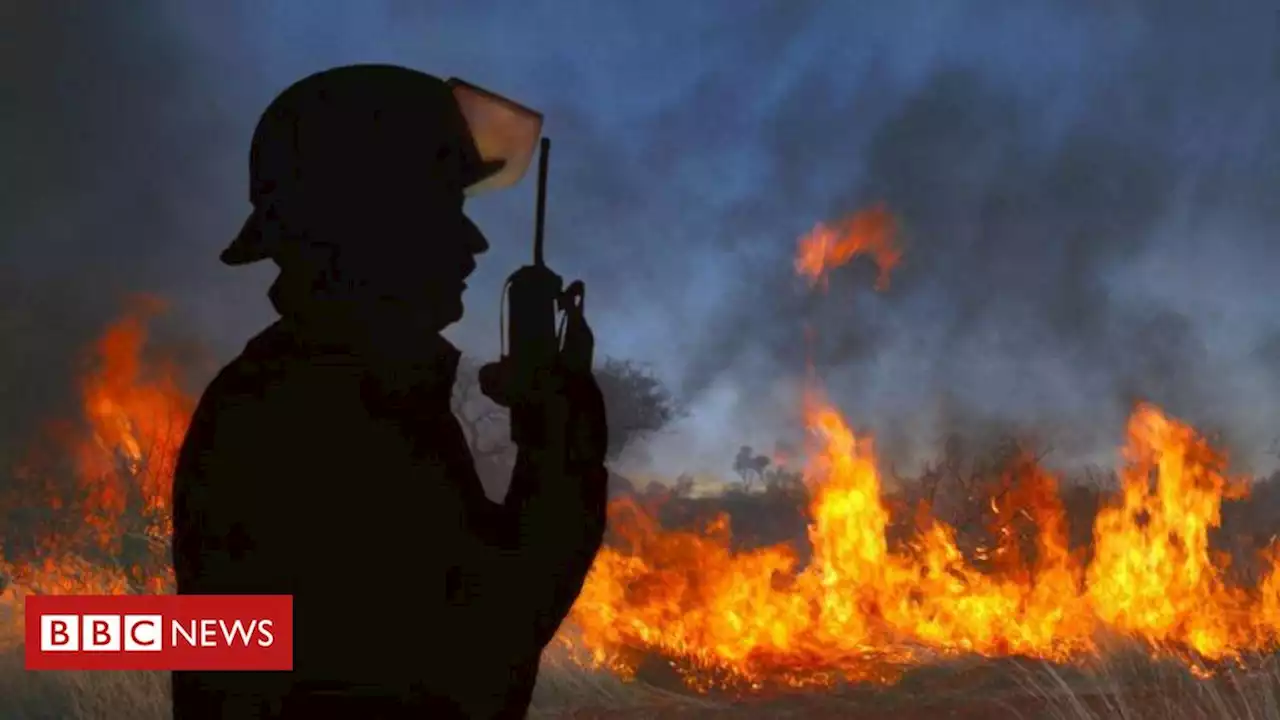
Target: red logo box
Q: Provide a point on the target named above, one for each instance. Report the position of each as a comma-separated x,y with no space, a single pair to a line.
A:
159,632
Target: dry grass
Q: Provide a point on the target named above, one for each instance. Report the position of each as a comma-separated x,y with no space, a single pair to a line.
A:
79,695
1134,687
566,689
1124,687
562,689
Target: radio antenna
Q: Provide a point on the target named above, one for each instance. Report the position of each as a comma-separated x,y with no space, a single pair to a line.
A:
541,216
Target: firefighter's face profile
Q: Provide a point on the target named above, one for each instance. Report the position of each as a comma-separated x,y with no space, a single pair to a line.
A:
419,258
404,239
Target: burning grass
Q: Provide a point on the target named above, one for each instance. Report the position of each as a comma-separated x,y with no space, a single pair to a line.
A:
871,608
858,608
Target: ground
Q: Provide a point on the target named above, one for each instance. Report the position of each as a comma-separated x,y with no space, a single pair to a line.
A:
1122,689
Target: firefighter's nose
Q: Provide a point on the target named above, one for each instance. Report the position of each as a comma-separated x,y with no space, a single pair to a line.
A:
473,239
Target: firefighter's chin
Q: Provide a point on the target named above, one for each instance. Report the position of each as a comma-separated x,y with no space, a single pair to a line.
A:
427,312
444,309
453,312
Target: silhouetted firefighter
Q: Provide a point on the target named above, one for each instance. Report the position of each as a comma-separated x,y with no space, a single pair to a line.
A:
324,461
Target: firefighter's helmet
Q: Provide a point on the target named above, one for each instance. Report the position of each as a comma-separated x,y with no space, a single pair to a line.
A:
367,128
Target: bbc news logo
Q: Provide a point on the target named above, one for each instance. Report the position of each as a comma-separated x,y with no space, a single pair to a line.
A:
159,632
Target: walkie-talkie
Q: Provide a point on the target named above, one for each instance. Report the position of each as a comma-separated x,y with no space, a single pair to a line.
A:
546,330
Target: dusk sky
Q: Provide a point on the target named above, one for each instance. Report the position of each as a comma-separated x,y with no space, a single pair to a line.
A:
1088,193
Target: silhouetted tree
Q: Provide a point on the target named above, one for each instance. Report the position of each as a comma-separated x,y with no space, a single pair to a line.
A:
684,486
750,466
638,403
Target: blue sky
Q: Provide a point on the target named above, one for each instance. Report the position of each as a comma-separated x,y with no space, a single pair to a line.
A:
1088,192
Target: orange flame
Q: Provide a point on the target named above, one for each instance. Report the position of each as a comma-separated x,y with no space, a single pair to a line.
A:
95,494
870,232
857,607
137,418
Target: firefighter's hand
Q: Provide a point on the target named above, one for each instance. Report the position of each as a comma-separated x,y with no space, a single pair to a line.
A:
564,412
586,425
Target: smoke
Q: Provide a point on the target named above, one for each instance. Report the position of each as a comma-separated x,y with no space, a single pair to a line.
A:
1051,229
113,144
72,225
1086,192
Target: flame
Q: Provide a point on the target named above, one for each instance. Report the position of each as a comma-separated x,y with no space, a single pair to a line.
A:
137,418
872,232
854,609
859,608
849,600
94,494
1153,575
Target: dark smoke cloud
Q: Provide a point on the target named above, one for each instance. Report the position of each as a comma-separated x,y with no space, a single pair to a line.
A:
1018,303
83,222
1087,193
111,139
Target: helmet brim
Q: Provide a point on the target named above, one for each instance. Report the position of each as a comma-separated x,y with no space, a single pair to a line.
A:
504,134
250,244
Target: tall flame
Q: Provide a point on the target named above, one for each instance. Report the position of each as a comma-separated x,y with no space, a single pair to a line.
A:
857,607
137,417
94,493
